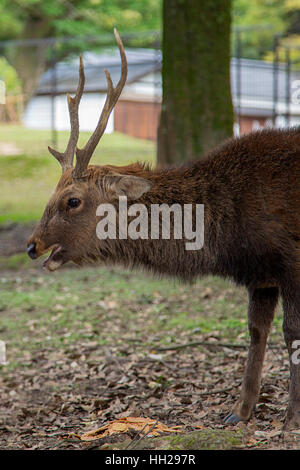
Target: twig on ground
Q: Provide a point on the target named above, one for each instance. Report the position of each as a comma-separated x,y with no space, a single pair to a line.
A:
136,436
220,390
135,442
212,345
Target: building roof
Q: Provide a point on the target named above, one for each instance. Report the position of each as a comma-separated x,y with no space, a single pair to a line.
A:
252,81
256,85
64,77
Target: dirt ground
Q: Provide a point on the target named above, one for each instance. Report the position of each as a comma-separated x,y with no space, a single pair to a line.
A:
55,394
59,395
13,238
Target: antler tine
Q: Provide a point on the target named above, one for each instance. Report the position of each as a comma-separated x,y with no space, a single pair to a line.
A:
66,158
84,155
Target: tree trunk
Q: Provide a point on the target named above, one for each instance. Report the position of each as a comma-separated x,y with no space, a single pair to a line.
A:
197,110
30,60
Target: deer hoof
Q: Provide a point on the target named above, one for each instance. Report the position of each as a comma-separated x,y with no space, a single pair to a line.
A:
231,418
292,422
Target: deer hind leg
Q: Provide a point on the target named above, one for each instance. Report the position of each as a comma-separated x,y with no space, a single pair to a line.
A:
291,330
262,304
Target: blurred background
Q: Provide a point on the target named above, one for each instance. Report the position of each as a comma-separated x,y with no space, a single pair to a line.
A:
86,346
40,43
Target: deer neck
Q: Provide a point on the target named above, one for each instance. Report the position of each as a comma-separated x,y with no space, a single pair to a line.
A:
163,256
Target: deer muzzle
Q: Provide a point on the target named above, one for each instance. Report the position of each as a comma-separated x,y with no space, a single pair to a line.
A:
31,251
36,247
55,259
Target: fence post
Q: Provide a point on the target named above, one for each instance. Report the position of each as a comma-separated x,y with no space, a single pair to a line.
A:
288,85
275,78
53,95
238,77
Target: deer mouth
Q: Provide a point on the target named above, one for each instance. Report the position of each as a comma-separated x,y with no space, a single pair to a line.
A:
55,259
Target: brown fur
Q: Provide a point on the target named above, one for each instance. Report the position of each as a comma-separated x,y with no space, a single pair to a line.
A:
251,193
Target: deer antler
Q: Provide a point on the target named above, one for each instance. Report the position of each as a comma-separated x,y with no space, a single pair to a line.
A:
84,155
66,158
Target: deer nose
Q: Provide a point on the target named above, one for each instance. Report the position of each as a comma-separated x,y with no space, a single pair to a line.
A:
31,251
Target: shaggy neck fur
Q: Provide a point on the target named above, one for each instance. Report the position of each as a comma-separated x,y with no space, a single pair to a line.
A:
251,210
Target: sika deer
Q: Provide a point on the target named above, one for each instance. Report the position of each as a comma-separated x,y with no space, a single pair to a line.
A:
251,194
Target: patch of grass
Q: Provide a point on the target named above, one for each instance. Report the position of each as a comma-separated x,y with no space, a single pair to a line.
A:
114,307
14,262
21,217
206,439
27,180
21,166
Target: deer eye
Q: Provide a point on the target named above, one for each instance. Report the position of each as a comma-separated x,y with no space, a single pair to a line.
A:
74,202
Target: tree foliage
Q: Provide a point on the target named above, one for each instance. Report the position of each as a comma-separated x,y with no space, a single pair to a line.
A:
260,20
38,19
10,77
41,18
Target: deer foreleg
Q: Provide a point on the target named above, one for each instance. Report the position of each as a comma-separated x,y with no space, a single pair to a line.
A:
262,304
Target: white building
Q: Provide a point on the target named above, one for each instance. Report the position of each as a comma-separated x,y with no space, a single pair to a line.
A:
260,94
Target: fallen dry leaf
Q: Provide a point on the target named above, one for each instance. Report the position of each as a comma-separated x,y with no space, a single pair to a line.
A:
112,381
126,423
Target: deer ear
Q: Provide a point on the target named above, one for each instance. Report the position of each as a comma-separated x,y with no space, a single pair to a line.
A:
133,187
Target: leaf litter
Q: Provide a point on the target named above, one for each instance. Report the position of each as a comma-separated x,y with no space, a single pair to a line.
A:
130,423
85,393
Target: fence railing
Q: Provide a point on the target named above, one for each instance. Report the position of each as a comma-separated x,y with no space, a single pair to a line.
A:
264,91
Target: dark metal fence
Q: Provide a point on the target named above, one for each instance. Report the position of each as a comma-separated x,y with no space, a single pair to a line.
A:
265,92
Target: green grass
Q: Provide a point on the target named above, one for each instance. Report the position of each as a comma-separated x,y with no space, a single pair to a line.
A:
14,262
27,180
112,308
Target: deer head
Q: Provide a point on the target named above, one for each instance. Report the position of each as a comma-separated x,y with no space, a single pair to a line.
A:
68,225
